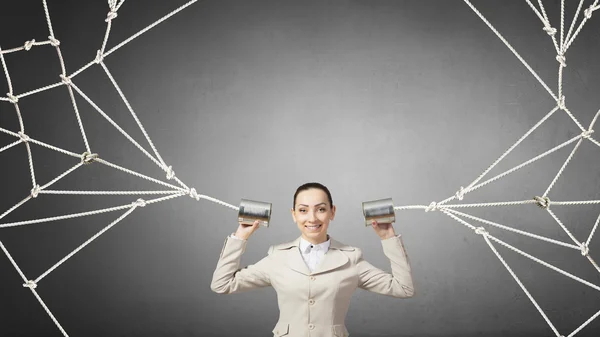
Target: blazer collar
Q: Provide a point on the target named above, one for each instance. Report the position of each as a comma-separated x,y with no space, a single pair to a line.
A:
334,258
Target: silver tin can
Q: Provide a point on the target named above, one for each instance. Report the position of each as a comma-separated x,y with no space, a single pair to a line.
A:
381,211
251,211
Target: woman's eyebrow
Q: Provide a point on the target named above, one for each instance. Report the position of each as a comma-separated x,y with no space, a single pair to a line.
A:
315,205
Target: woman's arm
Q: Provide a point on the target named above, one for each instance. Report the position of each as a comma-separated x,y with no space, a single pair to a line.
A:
397,284
228,278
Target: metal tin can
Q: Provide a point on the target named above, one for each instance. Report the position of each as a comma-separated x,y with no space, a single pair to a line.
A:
379,210
251,211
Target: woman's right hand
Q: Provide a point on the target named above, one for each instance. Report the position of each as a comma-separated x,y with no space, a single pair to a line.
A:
244,231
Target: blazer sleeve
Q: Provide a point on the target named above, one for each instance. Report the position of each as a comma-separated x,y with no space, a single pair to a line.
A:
229,278
397,284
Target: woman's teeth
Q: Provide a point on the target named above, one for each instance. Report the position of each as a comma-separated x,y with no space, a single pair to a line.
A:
313,228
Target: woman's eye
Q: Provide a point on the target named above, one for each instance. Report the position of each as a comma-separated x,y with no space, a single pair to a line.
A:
302,210
322,209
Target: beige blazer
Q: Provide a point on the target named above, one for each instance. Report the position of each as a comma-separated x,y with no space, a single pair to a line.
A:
313,304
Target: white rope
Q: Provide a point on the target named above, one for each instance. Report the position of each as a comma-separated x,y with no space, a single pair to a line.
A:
551,31
563,227
533,258
10,258
554,149
6,74
107,192
87,242
587,15
107,163
511,49
115,124
133,114
584,324
594,141
78,215
149,27
562,168
589,239
48,87
537,306
514,230
572,25
11,145
533,128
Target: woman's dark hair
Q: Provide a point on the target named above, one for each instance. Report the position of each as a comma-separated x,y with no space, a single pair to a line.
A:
309,186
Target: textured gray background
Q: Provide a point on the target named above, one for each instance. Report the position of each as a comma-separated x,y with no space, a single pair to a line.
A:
250,99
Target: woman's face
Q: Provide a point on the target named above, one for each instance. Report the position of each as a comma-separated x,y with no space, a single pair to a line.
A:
312,214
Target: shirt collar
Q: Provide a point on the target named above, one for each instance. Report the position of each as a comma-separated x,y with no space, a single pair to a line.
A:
305,245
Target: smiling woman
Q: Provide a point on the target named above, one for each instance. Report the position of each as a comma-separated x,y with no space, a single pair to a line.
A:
314,275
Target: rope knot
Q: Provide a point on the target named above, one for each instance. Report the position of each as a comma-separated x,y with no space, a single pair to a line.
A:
170,173
30,284
139,203
588,12
562,60
481,231
88,158
99,57
13,99
585,250
65,79
542,202
192,192
460,193
587,134
111,15
25,138
549,30
53,41
35,191
561,103
432,207
29,44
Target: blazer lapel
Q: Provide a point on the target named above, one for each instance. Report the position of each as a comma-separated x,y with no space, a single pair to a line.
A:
294,258
333,259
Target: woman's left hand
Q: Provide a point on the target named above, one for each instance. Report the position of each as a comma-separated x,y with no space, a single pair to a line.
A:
384,230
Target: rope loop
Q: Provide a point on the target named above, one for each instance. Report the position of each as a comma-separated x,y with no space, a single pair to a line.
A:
587,134
65,79
13,99
481,231
549,29
460,193
29,44
585,250
542,202
30,284
192,193
35,191
99,57
561,103
53,41
139,203
588,12
170,173
562,60
432,207
88,158
25,138
111,15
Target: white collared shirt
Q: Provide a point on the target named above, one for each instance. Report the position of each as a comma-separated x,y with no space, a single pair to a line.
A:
313,254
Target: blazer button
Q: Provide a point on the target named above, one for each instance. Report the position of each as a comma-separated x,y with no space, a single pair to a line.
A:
311,326
312,278
311,301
